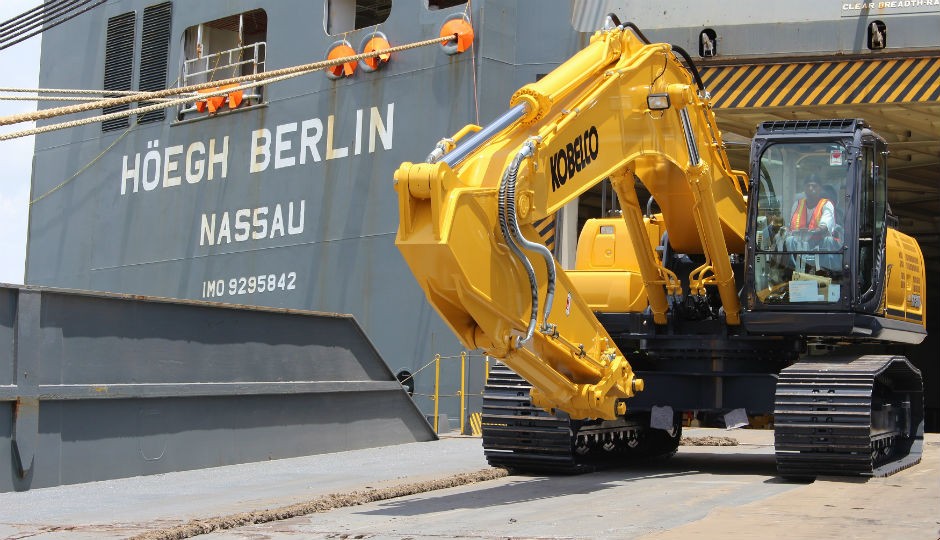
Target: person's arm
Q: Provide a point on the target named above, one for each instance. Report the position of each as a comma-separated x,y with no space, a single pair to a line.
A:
827,219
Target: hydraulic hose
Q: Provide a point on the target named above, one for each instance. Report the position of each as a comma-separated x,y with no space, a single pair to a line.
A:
504,207
533,246
692,67
509,226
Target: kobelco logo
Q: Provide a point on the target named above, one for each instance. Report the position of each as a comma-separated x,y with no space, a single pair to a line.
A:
575,156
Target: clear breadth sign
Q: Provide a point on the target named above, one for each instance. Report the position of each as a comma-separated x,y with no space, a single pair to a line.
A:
890,7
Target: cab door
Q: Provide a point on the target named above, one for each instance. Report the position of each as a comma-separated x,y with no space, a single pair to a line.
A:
871,208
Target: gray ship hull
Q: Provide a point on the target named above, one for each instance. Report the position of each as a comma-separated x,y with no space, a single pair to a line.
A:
288,202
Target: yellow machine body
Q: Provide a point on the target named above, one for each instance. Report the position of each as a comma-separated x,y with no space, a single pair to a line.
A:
626,110
588,120
905,289
607,271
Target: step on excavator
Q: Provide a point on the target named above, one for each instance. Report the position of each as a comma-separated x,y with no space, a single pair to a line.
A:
774,291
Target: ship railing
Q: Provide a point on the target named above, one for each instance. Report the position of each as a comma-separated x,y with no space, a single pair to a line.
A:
463,379
236,62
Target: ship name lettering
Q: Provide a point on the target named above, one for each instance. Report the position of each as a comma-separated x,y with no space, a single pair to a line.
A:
157,168
295,142
252,224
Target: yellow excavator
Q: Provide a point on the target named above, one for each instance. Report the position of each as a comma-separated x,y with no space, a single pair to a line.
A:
725,291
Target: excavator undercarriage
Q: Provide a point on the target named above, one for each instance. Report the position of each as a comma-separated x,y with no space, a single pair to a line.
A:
837,416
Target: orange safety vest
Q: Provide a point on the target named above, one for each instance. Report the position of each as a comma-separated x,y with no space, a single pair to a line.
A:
798,221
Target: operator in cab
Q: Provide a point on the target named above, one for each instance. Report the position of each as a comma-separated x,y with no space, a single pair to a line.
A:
812,222
812,212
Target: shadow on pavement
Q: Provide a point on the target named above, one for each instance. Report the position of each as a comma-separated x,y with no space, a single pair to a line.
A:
527,488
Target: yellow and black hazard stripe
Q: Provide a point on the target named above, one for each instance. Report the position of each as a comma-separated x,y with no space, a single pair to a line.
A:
904,80
546,229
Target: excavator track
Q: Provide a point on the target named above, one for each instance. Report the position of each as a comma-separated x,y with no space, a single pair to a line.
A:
848,417
521,437
517,435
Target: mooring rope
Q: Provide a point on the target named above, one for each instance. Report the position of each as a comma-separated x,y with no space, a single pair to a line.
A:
268,77
78,91
141,110
58,98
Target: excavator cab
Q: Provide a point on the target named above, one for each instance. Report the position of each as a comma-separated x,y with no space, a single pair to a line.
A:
818,223
799,236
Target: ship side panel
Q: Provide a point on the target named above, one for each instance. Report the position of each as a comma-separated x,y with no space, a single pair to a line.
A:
110,386
295,194
288,203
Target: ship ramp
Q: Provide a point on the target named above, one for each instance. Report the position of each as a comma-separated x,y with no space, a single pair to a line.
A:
97,386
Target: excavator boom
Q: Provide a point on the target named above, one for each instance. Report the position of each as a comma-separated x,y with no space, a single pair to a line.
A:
623,109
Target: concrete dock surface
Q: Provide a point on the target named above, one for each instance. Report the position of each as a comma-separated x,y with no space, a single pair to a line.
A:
383,493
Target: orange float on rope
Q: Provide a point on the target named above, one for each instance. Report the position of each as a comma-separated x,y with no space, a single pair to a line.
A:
235,99
214,103
377,43
464,32
346,68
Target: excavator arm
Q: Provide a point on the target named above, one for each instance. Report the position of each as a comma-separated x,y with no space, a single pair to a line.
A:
623,109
